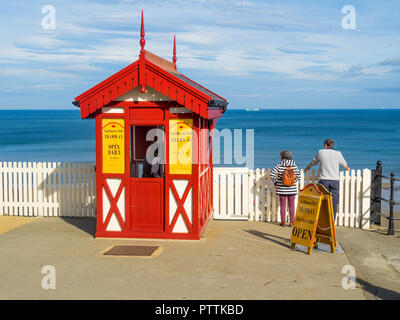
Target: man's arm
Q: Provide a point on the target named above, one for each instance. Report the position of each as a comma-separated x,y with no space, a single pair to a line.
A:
313,162
343,163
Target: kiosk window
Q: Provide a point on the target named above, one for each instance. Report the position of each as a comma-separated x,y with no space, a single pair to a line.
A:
147,151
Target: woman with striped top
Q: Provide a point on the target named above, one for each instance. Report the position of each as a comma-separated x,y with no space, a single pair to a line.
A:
286,193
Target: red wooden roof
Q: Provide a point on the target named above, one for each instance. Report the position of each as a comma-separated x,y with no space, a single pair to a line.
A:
159,74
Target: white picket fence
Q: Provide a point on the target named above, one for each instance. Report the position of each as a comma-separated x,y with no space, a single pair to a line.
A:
240,193
47,189
69,190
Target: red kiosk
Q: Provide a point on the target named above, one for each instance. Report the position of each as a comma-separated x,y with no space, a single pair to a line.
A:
142,198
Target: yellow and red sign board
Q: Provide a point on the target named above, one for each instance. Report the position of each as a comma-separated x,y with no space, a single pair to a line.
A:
314,218
113,141
180,146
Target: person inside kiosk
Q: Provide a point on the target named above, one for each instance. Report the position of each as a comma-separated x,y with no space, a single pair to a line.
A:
152,167
146,155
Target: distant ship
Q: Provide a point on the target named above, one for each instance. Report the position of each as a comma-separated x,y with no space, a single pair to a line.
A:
252,109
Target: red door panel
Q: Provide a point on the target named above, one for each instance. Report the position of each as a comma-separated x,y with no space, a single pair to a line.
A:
147,205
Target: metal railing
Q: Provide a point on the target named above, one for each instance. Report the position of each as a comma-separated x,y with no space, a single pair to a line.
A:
376,197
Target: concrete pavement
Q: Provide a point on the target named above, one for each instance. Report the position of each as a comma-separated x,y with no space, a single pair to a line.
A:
234,260
376,257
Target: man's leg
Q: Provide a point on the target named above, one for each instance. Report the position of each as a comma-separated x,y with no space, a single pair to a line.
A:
334,189
325,183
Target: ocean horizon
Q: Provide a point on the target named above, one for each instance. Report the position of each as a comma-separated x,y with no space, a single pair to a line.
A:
364,136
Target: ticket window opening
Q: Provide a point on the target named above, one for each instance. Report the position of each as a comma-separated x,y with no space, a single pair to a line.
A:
146,141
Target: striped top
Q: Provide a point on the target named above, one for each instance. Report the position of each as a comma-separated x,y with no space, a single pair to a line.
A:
276,175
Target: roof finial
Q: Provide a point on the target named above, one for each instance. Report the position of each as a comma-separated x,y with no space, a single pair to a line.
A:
142,41
174,53
142,78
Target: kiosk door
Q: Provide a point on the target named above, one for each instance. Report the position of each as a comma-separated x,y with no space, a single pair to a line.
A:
147,178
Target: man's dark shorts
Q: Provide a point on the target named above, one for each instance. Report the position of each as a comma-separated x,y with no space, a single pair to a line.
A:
333,187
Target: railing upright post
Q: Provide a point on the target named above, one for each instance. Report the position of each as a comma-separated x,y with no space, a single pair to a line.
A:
391,203
376,193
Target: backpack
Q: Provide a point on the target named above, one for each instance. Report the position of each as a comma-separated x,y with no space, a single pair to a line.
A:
288,177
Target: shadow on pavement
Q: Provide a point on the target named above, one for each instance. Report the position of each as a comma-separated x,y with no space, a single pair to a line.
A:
87,225
379,292
270,237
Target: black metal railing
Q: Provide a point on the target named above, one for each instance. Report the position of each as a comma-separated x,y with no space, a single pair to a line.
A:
376,198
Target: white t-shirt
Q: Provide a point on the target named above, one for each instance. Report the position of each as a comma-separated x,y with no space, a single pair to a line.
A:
329,160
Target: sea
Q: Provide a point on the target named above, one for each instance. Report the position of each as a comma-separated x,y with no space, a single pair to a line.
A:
364,136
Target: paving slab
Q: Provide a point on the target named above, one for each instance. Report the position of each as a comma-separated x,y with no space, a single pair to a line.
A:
376,258
8,223
234,260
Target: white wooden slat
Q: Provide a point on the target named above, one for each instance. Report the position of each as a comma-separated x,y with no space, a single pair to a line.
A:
223,194
366,200
268,183
340,214
9,186
251,195
245,193
34,190
84,190
64,199
45,188
262,190
238,194
4,197
39,179
69,190
81,190
230,195
78,188
257,196
352,198
274,217
347,199
5,188
75,193
1,189
14,189
358,199
216,193
49,191
18,189
301,182
28,185
56,185
50,206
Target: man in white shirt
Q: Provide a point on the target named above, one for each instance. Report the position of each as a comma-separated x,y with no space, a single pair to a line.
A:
328,172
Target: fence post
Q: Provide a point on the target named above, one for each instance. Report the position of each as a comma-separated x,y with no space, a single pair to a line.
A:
391,204
376,194
366,199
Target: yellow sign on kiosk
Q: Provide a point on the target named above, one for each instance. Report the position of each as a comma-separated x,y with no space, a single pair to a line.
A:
180,146
314,219
113,141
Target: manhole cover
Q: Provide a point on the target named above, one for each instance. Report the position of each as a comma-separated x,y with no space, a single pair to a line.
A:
138,251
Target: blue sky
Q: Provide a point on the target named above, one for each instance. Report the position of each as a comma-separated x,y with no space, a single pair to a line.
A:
261,54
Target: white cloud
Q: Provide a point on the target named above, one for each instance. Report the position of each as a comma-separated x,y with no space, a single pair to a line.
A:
227,38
